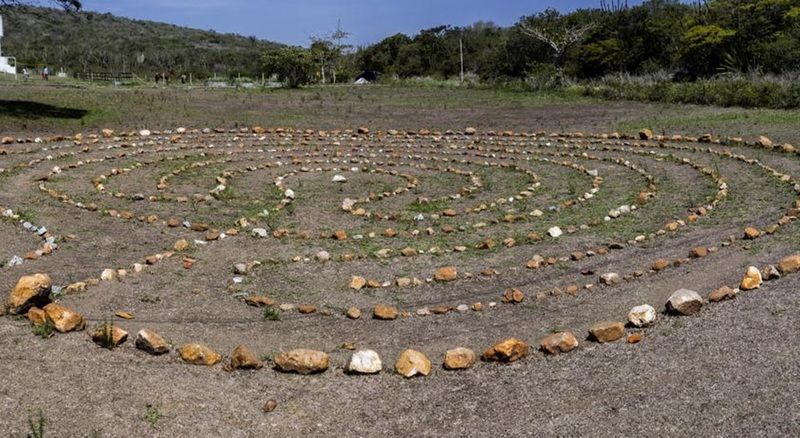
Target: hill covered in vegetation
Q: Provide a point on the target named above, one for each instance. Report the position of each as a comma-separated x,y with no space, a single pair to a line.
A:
95,42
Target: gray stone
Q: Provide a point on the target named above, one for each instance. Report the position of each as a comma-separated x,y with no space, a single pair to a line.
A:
685,302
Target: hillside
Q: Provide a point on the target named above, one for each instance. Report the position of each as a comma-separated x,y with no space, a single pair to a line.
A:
94,42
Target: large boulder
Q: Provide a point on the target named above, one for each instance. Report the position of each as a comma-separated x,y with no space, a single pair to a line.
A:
30,291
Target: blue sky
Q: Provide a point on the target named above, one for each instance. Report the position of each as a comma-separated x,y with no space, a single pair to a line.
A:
294,22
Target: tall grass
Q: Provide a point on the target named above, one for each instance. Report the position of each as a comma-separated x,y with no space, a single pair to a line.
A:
743,90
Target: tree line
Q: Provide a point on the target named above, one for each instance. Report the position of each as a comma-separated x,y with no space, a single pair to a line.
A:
688,41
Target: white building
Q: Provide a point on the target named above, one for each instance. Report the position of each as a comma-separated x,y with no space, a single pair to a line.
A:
7,64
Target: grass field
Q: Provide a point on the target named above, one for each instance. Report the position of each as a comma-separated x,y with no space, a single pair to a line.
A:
68,105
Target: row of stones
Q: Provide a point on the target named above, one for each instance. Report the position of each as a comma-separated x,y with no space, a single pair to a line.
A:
65,198
348,205
48,239
108,275
611,278
35,290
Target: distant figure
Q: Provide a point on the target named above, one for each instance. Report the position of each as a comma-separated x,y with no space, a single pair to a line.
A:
157,77
183,78
26,73
46,73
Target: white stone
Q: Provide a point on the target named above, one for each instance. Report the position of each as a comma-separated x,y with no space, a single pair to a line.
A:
365,362
347,204
642,316
339,179
259,232
108,275
555,232
289,194
144,133
323,256
611,278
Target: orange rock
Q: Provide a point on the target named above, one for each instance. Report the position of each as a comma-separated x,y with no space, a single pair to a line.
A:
109,336
385,313
513,295
30,291
411,363
635,338
510,350
660,265
751,233
36,316
243,359
124,315
303,361
448,273
459,359
151,342
556,343
306,309
357,283
752,279
789,264
64,320
354,313
723,293
698,252
197,354
607,331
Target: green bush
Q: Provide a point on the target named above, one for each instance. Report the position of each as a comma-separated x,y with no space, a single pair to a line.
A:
748,92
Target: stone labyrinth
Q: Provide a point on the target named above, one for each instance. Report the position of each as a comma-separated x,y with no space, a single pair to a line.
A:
415,247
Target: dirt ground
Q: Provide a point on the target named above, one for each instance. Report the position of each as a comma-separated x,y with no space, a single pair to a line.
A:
732,369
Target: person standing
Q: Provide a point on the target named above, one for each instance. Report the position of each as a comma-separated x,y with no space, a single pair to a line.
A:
46,73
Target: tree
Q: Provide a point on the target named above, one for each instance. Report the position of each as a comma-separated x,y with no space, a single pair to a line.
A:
323,53
328,51
560,32
293,66
73,5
